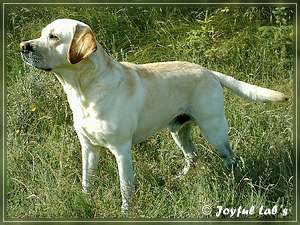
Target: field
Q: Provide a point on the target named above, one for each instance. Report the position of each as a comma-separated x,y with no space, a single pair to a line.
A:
43,164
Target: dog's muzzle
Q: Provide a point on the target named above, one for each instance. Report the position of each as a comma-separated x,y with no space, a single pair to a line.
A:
31,56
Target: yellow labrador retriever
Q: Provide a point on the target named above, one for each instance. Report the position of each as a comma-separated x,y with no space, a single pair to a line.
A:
117,104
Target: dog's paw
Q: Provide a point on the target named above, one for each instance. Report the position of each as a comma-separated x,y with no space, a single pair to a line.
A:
124,209
85,190
230,163
189,163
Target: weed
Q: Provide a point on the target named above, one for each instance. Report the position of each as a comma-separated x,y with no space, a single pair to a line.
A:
254,44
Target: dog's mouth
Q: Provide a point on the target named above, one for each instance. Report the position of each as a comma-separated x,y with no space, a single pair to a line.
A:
33,59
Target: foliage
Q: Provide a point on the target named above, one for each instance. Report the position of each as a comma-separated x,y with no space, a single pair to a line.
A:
254,44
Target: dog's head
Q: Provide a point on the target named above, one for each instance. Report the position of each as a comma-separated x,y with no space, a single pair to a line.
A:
63,42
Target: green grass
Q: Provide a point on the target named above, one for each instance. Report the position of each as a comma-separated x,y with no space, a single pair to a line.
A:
43,156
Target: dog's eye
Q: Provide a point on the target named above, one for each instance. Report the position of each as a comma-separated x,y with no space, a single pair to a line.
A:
53,37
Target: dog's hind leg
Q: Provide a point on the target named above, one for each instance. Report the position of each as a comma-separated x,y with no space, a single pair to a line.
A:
181,133
215,130
213,124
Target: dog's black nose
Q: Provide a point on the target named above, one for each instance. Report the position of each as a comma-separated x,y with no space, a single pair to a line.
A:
26,47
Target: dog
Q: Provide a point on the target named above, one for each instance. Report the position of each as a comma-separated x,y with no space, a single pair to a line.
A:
118,104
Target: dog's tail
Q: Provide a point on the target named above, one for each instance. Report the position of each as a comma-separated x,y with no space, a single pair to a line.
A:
249,91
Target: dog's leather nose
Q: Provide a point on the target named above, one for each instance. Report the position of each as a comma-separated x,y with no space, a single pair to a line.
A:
26,46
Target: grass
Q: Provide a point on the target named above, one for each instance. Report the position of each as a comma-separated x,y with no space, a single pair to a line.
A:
254,44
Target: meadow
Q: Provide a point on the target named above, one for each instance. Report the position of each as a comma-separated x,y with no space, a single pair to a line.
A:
43,159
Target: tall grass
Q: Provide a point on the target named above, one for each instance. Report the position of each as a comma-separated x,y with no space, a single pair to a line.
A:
255,44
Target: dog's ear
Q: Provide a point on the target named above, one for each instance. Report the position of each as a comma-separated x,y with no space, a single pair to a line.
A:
83,44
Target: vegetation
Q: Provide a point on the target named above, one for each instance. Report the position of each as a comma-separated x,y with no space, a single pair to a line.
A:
254,44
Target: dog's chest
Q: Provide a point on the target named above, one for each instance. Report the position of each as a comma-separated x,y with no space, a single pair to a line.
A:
88,122
91,128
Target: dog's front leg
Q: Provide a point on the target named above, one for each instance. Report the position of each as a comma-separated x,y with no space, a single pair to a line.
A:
125,168
90,157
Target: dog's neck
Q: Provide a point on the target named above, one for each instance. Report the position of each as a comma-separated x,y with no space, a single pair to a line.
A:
78,78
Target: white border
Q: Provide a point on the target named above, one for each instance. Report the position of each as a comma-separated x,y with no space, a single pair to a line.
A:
146,221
